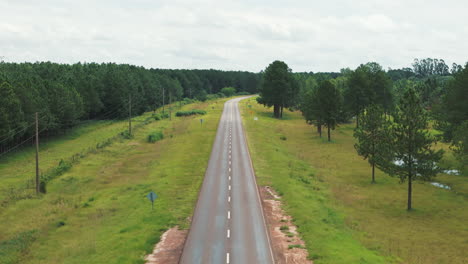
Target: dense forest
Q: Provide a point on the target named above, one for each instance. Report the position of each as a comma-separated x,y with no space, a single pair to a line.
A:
64,95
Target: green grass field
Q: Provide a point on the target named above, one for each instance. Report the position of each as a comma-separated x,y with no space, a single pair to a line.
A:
97,212
343,218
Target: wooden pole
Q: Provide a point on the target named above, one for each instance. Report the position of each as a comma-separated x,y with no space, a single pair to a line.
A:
170,106
130,115
37,156
163,101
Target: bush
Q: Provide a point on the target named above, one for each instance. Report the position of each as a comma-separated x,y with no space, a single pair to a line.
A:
187,101
283,137
212,96
126,135
243,93
191,112
228,91
156,117
155,136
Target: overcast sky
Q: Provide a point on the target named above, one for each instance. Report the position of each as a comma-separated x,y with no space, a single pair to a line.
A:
234,35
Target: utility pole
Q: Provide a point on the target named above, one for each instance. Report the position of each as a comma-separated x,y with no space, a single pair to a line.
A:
163,101
37,156
170,107
130,115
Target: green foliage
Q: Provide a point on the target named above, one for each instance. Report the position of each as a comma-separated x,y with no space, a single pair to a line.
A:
279,88
55,172
155,136
373,138
295,246
96,197
453,110
11,114
330,103
160,116
243,93
126,134
228,91
322,106
460,145
191,112
412,144
341,216
369,83
11,251
65,95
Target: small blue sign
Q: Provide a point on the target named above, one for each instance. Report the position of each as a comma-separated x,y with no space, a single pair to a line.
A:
152,196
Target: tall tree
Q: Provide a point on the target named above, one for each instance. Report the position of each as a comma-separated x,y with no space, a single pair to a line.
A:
311,110
373,138
330,101
279,88
454,109
412,147
359,93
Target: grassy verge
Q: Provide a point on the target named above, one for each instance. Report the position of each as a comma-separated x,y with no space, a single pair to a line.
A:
342,217
97,212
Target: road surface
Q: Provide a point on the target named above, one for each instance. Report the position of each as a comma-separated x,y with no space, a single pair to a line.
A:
228,225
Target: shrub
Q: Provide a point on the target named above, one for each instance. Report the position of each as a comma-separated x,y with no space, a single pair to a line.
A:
295,246
212,96
228,91
243,93
155,136
282,137
126,135
187,101
191,112
157,117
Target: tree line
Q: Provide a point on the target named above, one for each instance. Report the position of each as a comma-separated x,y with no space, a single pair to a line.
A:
393,111
64,95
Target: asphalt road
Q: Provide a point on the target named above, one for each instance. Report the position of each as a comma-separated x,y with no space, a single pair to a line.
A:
228,225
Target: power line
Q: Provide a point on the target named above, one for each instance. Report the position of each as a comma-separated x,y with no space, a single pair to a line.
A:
5,138
20,144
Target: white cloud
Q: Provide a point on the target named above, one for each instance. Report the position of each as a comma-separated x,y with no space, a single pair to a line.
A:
234,35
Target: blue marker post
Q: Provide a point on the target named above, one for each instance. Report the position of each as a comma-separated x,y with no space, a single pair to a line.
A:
152,196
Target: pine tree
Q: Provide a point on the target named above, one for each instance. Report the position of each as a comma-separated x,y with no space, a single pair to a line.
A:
412,148
330,101
373,139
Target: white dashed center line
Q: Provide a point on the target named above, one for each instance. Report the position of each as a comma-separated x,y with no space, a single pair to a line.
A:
228,233
227,258
229,214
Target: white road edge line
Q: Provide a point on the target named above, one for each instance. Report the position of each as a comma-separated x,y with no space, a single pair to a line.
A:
243,131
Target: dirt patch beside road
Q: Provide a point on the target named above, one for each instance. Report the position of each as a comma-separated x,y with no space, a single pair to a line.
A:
288,247
169,248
